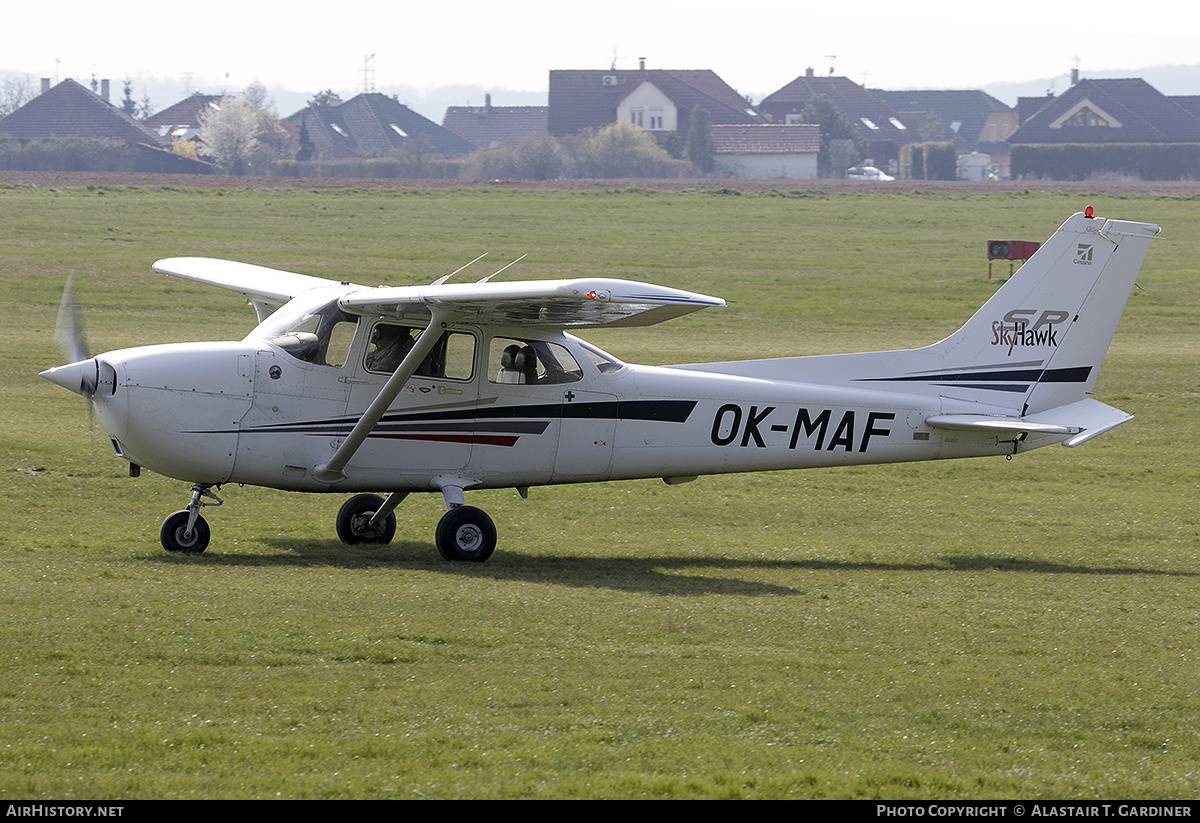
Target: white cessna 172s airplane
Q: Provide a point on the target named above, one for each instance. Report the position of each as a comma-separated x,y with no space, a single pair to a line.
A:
458,386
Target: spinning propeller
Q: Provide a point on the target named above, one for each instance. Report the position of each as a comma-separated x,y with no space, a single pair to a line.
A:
82,372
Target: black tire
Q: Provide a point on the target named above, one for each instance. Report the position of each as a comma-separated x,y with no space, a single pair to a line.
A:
466,533
173,535
353,516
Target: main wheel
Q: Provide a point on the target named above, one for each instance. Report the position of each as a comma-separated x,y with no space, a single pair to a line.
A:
466,533
174,537
354,521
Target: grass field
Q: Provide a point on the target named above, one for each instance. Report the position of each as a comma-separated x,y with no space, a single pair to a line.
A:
981,629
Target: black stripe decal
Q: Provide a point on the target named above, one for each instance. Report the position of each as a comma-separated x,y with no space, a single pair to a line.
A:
990,380
505,419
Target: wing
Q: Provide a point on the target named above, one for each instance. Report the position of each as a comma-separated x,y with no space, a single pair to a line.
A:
585,302
553,303
266,289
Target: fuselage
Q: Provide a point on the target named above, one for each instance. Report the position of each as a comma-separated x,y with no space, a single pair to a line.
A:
267,411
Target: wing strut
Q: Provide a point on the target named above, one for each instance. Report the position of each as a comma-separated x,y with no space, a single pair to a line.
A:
332,471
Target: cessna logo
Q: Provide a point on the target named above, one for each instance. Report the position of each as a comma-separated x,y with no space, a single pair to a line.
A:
1027,328
1083,254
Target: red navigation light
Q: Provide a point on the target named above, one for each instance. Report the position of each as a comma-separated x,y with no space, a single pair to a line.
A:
1088,212
590,295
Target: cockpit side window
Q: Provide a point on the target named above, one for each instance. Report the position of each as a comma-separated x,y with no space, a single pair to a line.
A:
530,361
341,335
452,357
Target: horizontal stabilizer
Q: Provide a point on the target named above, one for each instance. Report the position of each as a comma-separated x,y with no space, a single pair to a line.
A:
1083,420
1090,416
996,423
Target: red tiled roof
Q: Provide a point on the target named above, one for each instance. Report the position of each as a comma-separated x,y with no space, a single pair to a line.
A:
184,113
588,99
766,139
491,127
869,113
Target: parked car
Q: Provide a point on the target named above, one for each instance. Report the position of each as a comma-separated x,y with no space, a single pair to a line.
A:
868,173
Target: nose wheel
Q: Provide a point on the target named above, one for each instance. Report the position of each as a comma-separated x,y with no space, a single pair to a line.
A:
177,536
185,531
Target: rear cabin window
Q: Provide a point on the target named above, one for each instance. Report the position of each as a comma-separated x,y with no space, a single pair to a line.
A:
530,361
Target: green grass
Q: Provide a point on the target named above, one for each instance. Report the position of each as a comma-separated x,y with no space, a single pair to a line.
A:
1021,628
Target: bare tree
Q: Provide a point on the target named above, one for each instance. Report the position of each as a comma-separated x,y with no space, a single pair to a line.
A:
15,91
257,96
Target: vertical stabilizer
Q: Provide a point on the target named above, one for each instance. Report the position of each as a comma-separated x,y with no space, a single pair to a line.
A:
1036,344
1039,341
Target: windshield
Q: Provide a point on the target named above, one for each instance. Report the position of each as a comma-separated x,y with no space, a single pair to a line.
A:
311,328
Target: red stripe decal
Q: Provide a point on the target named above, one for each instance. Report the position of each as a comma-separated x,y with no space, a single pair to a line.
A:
484,439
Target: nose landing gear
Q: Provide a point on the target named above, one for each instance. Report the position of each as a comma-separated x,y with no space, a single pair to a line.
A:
186,531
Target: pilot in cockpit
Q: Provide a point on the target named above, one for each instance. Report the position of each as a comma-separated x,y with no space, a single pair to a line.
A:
389,344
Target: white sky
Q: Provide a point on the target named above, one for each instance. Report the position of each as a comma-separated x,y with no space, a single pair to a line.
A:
756,46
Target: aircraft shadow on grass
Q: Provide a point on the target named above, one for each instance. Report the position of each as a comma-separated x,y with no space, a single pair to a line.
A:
677,576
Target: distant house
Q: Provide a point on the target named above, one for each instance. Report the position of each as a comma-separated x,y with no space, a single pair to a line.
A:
978,123
494,127
1109,111
875,120
767,150
372,125
658,101
182,120
68,110
1161,134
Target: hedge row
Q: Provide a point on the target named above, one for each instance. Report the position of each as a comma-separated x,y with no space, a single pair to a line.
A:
928,161
435,168
83,154
1085,161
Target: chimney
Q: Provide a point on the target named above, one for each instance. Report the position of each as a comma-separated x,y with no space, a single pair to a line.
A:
104,90
1075,76
808,72
45,84
487,101
641,64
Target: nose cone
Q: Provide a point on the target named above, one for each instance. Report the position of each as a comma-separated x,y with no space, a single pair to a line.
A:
80,377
